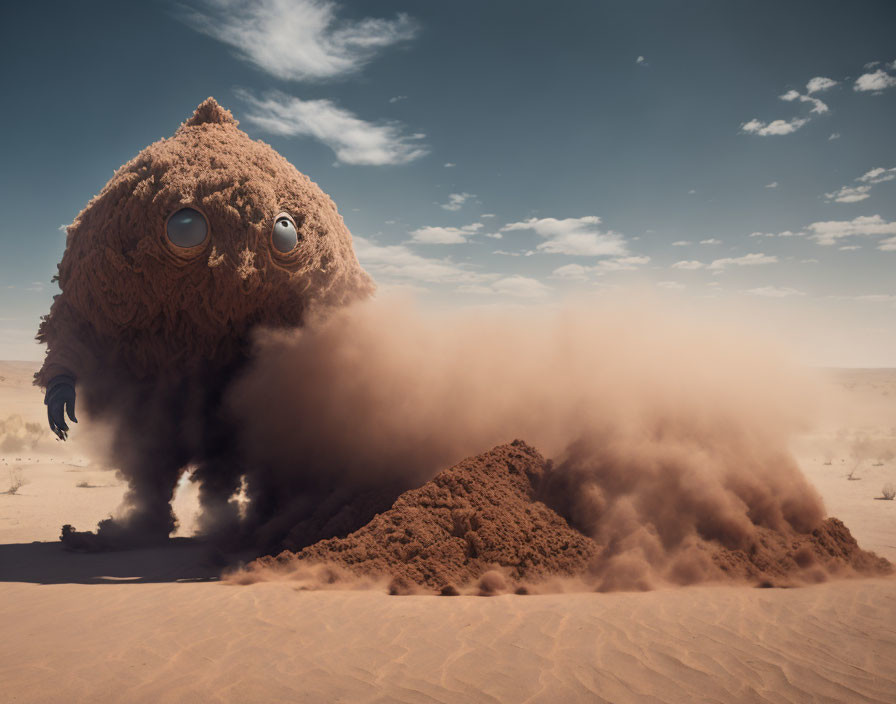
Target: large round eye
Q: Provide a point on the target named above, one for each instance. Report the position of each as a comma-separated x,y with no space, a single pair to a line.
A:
187,228
284,237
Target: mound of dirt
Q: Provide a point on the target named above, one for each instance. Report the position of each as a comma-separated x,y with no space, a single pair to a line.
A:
476,516
484,520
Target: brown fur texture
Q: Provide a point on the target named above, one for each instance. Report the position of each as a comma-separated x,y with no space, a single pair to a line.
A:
154,333
132,301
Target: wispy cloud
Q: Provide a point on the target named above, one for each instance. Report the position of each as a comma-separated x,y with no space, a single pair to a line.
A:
817,84
848,194
755,259
449,165
874,82
854,194
830,232
711,240
818,106
516,286
641,61
775,292
672,285
682,243
775,127
397,98
878,175
399,262
834,135
354,140
688,264
299,40
445,235
456,201
578,271
580,237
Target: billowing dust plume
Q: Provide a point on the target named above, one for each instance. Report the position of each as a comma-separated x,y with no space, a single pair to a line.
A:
667,435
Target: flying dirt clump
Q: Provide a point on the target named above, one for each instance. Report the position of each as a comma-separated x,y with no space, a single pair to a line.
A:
486,519
193,243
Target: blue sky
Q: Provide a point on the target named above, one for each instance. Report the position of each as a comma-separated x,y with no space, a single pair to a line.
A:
738,156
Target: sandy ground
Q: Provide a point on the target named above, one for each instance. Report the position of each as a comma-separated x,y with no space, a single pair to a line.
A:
157,626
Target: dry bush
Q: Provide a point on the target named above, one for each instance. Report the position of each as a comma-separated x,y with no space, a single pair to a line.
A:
888,492
16,480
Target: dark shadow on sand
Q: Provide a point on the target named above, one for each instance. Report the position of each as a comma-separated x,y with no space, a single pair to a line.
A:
180,560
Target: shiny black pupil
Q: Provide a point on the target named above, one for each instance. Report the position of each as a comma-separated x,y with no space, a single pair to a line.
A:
187,228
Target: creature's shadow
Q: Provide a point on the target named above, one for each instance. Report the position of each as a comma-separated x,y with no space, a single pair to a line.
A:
180,560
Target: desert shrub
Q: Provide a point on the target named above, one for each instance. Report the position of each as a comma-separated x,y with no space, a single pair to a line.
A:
16,480
889,491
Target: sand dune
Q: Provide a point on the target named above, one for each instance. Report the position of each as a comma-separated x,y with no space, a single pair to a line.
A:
157,626
216,643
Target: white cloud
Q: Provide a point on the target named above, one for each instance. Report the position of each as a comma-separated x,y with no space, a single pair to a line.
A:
578,237
819,84
516,286
620,264
521,287
849,247
449,165
854,194
299,40
640,60
887,245
711,240
445,235
828,233
848,194
674,285
773,184
352,139
876,81
692,192
775,292
397,261
487,215
878,175
784,233
754,259
834,135
776,127
817,105
456,200
808,261
681,243
577,271
688,264
397,98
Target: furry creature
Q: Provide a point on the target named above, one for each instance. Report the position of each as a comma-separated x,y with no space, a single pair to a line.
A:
193,243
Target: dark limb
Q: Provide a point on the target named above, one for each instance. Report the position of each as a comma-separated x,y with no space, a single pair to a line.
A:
60,399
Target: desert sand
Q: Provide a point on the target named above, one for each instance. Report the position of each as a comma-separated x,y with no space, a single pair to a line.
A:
159,626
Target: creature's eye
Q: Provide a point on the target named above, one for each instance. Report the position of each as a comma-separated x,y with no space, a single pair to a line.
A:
187,228
284,237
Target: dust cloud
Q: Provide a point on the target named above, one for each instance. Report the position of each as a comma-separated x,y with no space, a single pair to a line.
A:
669,436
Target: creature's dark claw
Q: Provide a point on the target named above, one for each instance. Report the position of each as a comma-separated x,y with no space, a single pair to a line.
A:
60,399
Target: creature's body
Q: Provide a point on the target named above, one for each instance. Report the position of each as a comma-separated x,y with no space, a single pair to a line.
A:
192,244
